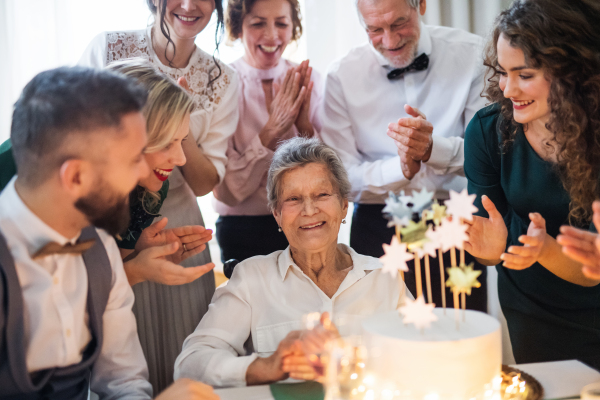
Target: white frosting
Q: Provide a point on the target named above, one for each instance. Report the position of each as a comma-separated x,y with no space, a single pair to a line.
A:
442,360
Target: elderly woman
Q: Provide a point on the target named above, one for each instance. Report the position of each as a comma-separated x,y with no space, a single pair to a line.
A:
275,104
247,334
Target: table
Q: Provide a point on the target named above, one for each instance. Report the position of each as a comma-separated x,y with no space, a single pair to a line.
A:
560,379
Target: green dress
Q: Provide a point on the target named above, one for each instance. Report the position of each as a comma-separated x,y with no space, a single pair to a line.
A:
548,318
8,167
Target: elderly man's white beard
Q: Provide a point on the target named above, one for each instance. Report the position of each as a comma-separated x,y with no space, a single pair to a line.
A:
400,62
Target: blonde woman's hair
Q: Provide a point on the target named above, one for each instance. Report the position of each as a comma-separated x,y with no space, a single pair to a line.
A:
167,105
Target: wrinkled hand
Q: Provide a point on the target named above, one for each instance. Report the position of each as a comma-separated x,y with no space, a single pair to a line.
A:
487,236
303,122
270,369
583,246
151,265
522,257
187,389
194,237
307,364
413,138
284,108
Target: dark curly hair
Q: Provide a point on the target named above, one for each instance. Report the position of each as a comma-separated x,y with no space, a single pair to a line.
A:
164,28
562,38
238,9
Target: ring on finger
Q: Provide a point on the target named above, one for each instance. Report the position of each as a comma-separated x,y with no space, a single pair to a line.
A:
184,248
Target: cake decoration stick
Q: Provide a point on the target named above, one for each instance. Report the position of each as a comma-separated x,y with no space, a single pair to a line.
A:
442,278
418,276
428,279
464,304
462,256
453,257
400,241
456,308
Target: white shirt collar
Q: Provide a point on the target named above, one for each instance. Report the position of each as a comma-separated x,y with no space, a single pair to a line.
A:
360,263
34,231
424,47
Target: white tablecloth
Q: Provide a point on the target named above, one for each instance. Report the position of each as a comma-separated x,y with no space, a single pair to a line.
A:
560,379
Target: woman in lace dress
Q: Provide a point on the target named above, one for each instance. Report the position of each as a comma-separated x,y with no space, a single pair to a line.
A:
170,313
246,227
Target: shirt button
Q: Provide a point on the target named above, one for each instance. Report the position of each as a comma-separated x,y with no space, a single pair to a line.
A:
68,332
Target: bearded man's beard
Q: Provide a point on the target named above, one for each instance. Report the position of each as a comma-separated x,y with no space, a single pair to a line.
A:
104,211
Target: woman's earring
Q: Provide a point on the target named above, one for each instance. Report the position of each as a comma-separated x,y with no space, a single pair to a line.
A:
343,221
279,229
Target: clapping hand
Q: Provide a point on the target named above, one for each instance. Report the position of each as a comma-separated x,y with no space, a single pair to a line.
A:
303,122
522,257
285,107
487,236
192,239
583,246
414,139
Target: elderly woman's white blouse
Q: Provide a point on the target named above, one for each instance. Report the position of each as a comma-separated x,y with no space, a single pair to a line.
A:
265,300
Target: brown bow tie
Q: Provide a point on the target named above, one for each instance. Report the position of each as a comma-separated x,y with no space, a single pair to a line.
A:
55,248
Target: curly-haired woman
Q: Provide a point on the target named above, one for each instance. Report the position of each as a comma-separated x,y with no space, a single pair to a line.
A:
536,152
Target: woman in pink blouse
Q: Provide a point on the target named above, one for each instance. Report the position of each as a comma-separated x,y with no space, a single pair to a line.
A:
276,102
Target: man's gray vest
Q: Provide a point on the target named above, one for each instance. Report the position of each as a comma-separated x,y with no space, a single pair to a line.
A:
71,382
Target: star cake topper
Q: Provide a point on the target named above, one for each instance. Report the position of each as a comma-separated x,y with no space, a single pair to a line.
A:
396,210
461,205
452,233
418,313
395,257
463,279
421,200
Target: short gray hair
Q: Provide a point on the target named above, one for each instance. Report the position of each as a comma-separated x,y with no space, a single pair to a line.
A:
298,152
411,3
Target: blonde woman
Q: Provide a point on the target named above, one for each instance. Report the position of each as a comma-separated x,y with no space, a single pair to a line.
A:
160,312
168,44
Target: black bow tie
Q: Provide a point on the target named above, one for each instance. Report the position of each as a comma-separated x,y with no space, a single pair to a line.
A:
419,64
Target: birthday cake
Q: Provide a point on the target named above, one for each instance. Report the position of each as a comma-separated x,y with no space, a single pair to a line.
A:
444,361
423,352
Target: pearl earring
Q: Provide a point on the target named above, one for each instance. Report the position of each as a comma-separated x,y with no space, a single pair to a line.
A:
279,229
343,221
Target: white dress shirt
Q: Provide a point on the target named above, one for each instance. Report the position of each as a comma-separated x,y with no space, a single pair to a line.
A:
264,301
55,305
360,101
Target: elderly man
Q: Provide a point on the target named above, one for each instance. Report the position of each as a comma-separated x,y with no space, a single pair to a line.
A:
396,110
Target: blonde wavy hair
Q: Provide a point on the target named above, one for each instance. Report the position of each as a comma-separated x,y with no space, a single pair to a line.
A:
165,110
167,105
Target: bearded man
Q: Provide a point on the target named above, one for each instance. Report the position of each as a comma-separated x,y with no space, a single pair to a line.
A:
395,110
65,302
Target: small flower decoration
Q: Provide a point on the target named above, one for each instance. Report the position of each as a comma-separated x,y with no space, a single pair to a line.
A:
463,279
395,257
418,312
461,205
